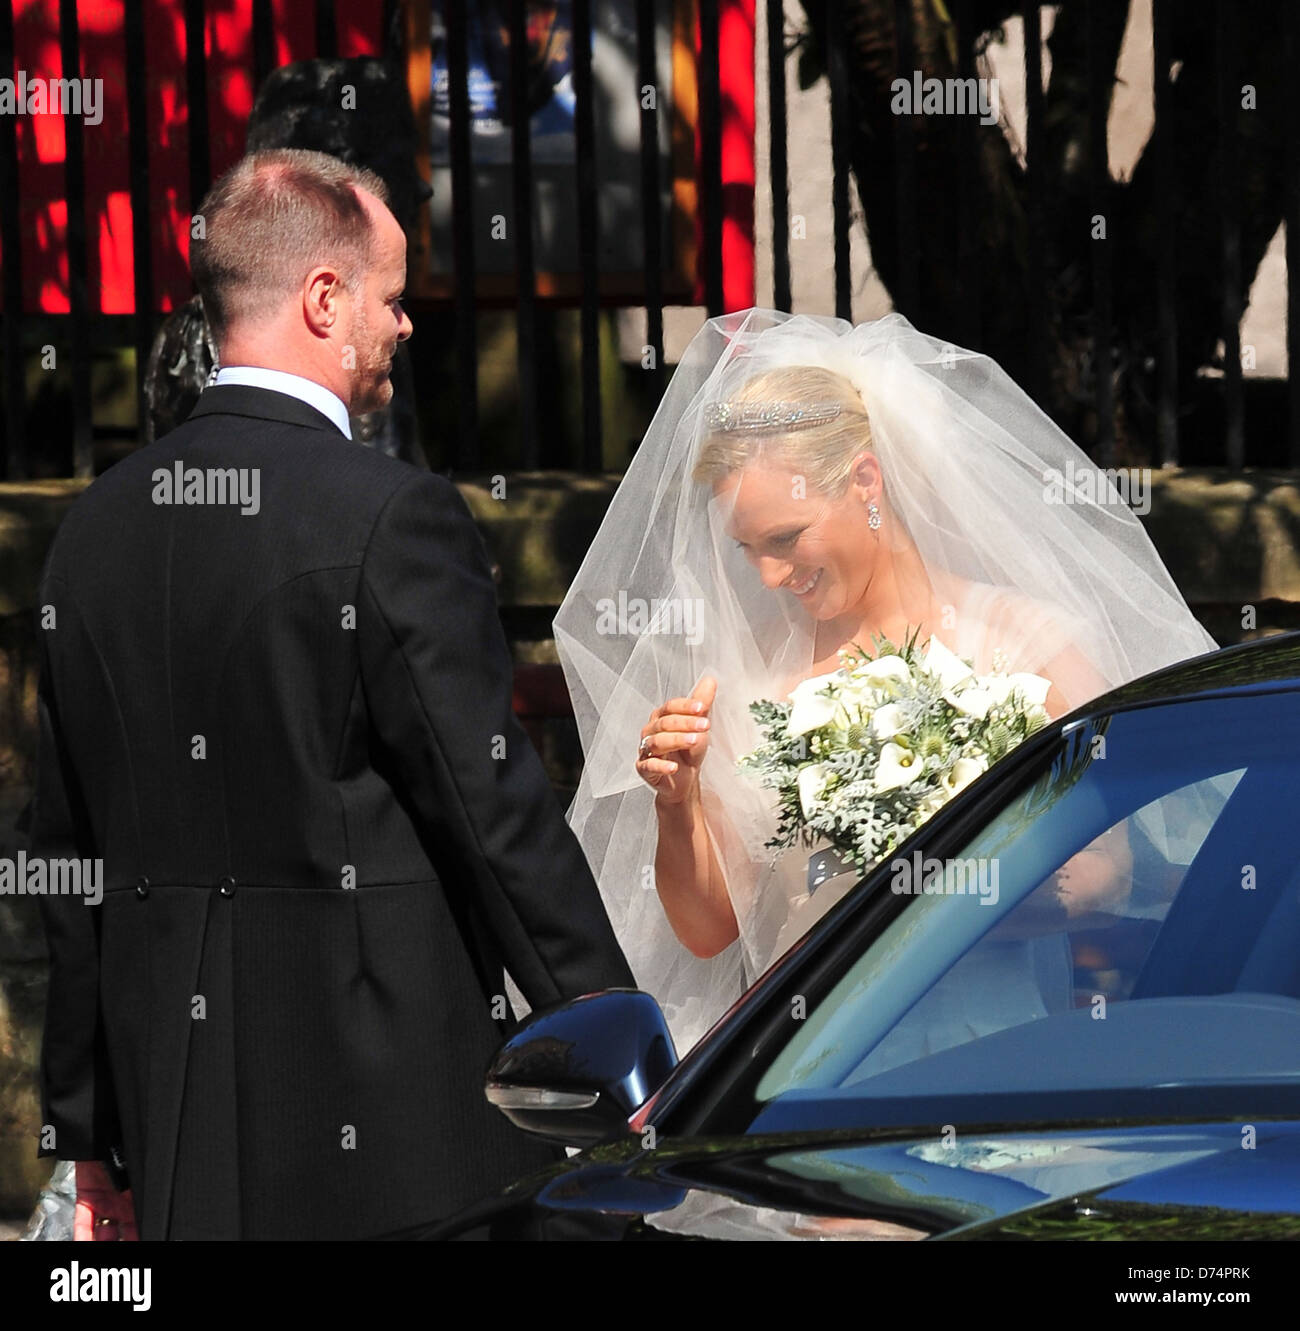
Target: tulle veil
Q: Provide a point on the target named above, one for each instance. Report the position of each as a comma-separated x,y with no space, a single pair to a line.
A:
990,491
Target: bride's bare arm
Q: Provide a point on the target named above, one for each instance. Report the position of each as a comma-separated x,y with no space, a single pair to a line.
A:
1087,892
1099,879
688,877
690,883
1094,884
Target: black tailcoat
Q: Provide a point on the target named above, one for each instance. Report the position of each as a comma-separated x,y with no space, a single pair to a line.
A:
288,734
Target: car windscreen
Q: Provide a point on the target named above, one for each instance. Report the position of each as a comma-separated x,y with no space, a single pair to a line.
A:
1130,918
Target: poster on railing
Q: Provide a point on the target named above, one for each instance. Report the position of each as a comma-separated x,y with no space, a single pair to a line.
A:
620,98
549,97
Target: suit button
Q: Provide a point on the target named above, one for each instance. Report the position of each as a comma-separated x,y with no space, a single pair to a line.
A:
142,887
227,886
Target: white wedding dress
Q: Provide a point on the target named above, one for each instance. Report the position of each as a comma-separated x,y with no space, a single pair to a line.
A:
1031,638
1054,577
966,458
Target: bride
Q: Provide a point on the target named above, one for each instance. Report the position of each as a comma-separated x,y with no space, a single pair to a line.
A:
806,485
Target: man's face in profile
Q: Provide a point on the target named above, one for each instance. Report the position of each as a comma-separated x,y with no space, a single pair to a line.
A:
378,321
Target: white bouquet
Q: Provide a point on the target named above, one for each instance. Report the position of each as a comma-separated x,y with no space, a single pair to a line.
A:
861,757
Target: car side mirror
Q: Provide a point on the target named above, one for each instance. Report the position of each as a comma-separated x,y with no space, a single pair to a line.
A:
577,1072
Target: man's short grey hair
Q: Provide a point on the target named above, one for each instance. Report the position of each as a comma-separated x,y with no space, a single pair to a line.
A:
272,218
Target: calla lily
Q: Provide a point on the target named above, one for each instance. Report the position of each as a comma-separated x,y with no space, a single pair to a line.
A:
809,710
973,701
949,668
882,670
811,782
998,687
898,766
962,773
888,721
862,694
1033,688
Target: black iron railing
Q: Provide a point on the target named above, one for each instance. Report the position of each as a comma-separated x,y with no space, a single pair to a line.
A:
83,329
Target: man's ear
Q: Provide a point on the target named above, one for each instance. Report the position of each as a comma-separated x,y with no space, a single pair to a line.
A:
322,291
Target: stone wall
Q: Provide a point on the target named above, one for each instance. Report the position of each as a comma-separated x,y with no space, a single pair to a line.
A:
1231,541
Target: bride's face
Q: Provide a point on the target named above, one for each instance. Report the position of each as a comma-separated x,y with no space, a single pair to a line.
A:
804,543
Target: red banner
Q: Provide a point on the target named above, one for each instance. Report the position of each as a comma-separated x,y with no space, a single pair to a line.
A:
228,50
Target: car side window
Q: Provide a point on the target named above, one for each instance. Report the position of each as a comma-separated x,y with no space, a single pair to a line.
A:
1152,857
1078,940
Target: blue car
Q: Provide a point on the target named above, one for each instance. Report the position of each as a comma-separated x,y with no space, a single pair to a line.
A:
969,1047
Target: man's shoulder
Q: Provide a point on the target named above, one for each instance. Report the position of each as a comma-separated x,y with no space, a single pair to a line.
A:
328,486
206,442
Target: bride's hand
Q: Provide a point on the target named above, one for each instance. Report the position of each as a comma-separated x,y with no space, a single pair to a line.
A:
674,742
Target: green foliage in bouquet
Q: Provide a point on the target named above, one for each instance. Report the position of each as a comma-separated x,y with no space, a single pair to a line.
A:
861,757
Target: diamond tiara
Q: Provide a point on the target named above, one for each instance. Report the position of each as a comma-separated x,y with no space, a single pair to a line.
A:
771,417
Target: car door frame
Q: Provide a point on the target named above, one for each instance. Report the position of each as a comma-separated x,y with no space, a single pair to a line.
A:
692,1101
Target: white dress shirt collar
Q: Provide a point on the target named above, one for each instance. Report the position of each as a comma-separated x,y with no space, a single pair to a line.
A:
309,391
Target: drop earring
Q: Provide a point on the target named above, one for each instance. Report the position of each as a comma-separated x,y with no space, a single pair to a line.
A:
873,515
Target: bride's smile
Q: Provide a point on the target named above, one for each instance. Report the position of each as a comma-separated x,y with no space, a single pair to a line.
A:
819,545
801,540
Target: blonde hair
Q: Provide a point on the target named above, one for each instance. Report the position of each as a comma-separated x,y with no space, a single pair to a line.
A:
823,453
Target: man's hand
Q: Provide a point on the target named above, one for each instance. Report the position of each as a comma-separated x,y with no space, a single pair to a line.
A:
102,1211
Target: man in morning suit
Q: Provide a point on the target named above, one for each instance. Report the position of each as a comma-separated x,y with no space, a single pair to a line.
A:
275,701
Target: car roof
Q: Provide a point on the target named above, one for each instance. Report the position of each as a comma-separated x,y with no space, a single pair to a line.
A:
1264,664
